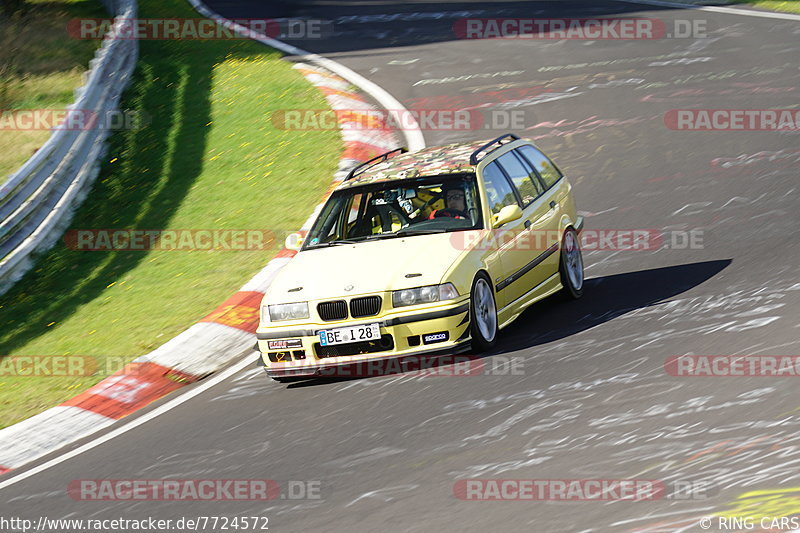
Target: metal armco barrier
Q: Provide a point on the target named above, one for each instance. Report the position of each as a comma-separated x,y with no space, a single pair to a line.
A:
37,201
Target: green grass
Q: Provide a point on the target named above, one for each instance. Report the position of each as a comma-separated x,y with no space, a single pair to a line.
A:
787,6
40,67
209,158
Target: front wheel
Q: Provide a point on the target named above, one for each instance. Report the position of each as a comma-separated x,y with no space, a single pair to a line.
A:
483,315
571,268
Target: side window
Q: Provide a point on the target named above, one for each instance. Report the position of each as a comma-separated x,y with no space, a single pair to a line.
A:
546,169
498,192
522,176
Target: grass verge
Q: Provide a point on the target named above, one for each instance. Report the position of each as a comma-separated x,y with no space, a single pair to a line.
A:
786,6
208,159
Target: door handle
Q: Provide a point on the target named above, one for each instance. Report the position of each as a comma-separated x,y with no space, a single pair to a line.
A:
527,224
553,204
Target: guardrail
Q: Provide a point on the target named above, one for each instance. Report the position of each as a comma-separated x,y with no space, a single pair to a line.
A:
37,201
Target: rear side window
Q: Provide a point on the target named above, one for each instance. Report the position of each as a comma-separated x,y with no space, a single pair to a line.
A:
498,191
522,176
546,168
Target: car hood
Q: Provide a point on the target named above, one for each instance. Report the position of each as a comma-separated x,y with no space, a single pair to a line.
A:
369,267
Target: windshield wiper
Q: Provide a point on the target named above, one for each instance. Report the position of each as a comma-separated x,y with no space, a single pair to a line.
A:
332,243
352,241
407,231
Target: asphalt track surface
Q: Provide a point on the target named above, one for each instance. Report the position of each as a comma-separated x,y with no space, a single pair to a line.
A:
592,399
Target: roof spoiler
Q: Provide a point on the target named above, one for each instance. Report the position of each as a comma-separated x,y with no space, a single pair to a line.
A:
372,162
473,159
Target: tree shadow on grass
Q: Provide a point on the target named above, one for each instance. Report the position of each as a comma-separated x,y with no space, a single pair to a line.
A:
146,174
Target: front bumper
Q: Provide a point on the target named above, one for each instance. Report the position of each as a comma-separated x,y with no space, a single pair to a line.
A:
295,350
311,370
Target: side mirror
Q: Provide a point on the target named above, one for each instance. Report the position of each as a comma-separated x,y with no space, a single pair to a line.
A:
509,213
294,241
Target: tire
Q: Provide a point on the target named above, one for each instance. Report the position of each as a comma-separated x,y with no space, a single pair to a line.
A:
483,314
571,265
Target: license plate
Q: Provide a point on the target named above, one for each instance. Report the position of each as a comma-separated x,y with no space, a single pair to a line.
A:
365,332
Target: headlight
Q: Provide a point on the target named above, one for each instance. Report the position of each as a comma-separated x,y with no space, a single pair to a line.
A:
279,312
424,295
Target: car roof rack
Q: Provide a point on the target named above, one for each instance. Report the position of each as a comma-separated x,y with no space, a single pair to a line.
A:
374,161
473,159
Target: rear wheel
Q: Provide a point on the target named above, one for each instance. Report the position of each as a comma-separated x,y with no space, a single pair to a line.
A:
483,314
571,268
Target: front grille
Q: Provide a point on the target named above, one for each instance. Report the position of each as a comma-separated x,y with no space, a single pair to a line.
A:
385,343
365,306
335,310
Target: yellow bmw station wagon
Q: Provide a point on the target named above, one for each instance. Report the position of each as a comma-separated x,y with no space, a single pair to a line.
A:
427,252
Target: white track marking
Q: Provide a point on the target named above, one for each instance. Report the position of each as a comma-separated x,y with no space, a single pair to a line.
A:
188,395
414,138
717,9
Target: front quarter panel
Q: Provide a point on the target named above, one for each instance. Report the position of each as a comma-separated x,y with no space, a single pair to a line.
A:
480,254
569,212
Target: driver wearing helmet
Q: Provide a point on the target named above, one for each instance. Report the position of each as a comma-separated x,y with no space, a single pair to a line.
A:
454,201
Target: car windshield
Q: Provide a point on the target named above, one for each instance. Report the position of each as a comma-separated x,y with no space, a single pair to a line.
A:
397,209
